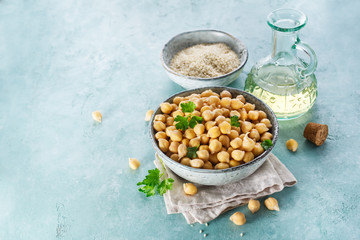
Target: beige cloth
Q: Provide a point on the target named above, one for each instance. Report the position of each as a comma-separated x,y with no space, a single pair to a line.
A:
211,201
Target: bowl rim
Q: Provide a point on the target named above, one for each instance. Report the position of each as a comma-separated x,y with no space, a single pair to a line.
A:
167,159
242,64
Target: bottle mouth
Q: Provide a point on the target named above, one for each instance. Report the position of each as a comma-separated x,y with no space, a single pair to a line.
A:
286,20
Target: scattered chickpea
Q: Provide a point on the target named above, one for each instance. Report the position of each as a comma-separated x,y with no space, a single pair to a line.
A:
148,115
272,204
97,116
134,163
254,205
292,145
189,189
238,218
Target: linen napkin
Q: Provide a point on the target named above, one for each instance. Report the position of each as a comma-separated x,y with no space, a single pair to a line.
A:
211,201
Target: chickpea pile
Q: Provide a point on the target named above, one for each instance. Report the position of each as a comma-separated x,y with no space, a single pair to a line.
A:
219,144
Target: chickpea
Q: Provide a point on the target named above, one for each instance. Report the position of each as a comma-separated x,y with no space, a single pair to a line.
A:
226,112
199,103
266,136
262,115
174,147
159,126
213,100
189,133
238,129
238,218
261,127
148,115
185,141
185,161
168,153
182,151
223,149
233,134
222,165
253,115
204,139
215,146
242,136
213,159
217,112
230,150
236,104
160,134
176,113
243,115
208,165
199,129
214,132
223,156
204,108
225,141
254,134
219,119
236,143
248,107
241,98
206,93
176,136
254,205
248,144
248,156
194,142
246,126
291,144
203,155
204,147
175,157
237,155
134,163
234,113
209,125
225,93
196,163
272,204
196,113
189,189
168,130
225,127
165,107
234,163
208,115
266,122
174,107
163,144
258,149
169,121
225,102
177,100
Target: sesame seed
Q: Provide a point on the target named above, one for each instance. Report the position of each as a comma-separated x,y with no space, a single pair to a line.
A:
191,225
241,234
206,224
205,235
201,230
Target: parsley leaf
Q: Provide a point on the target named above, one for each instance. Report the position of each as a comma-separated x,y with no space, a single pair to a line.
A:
195,120
183,123
235,121
266,144
191,152
165,185
188,107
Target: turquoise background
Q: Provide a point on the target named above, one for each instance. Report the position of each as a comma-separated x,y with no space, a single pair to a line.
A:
63,176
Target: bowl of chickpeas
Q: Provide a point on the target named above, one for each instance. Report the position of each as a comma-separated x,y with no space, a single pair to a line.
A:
213,135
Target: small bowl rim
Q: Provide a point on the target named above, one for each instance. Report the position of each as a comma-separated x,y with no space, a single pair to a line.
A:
167,159
242,64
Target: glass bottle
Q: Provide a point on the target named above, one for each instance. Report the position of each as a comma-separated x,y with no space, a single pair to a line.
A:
283,80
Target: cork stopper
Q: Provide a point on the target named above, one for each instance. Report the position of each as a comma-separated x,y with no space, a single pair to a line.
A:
316,133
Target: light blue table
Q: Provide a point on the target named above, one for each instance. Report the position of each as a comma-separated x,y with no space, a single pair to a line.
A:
62,176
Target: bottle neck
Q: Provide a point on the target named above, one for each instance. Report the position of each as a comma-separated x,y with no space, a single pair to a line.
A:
283,43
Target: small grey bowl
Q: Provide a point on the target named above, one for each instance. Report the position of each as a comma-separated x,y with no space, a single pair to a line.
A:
221,176
188,39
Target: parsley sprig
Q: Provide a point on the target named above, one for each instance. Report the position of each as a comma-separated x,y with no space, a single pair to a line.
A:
152,182
234,121
191,152
266,144
184,123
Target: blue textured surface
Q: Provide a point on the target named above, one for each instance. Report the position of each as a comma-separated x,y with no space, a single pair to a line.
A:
62,176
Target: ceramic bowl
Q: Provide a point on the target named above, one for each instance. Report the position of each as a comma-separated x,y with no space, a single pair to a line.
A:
221,176
188,39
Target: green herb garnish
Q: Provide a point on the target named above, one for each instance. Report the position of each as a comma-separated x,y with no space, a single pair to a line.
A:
266,144
191,152
183,123
154,184
234,120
